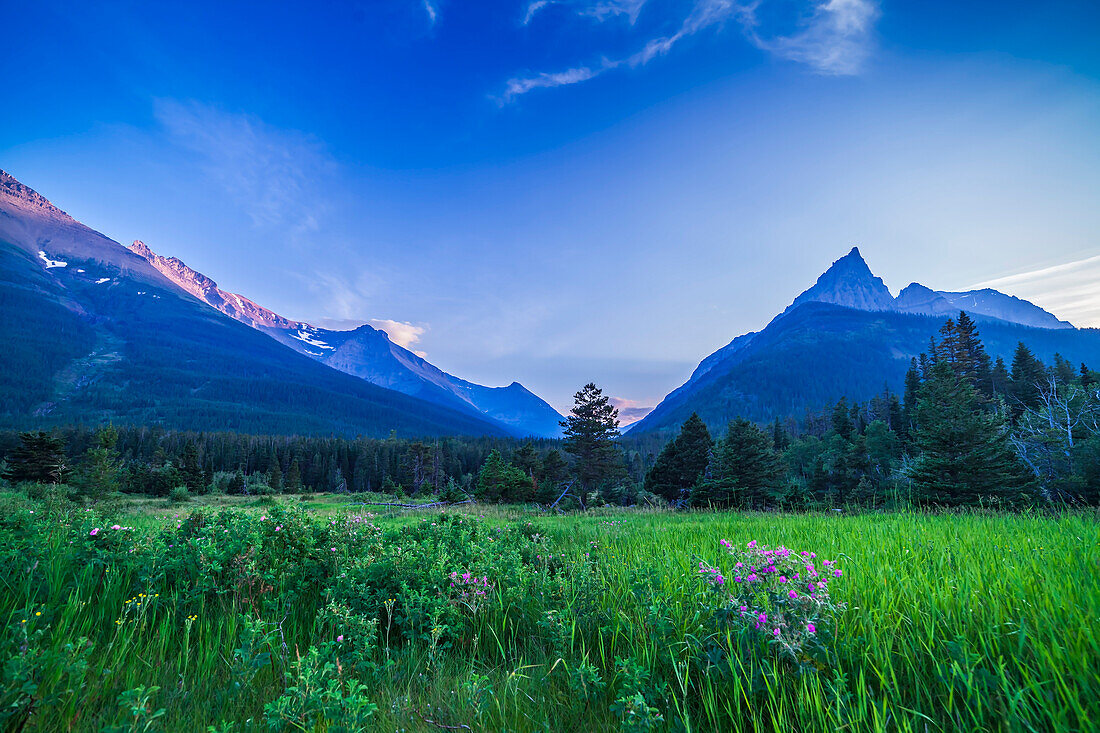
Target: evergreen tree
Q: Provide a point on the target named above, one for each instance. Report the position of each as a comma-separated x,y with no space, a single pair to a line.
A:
781,439
1000,380
744,471
102,471
681,462
842,419
189,469
552,477
499,481
964,454
912,393
591,430
275,477
292,484
38,457
237,484
1027,374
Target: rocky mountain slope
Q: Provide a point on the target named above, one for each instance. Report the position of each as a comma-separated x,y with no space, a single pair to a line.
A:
369,353
94,332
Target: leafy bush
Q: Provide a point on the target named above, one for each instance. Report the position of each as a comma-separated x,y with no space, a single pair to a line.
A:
179,495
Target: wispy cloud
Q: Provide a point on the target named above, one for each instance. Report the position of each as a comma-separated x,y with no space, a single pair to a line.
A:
274,175
630,411
432,11
601,10
521,85
1070,290
834,39
401,333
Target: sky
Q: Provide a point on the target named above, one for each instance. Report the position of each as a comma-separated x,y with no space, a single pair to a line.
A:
562,191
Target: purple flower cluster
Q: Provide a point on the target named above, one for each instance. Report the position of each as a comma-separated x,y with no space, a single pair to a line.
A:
778,592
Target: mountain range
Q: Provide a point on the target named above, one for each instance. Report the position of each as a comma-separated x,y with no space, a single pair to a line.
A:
848,336
96,331
369,353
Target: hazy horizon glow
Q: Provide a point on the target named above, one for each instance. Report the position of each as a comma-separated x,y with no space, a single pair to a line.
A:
563,191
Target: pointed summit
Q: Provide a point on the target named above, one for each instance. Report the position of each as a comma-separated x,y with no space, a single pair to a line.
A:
849,283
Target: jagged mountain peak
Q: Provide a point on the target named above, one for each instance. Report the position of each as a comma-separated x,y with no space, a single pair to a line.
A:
848,282
28,199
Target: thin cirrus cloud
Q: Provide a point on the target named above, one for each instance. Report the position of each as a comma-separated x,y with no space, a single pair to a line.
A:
432,11
271,174
600,11
1068,289
835,39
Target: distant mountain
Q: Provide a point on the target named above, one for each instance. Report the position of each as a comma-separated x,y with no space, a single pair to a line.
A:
94,332
847,336
369,353
850,283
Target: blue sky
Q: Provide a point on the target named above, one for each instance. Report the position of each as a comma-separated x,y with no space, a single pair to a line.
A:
557,192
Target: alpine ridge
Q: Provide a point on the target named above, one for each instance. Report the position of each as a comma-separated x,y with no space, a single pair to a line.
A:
847,336
368,353
94,332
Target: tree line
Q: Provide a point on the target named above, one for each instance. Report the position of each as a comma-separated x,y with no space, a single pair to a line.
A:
967,430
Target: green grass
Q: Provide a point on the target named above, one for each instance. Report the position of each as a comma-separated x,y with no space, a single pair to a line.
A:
953,622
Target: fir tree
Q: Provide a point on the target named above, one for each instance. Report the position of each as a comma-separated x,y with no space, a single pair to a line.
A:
499,481
591,430
1027,374
292,484
964,454
102,471
38,457
681,462
189,469
744,471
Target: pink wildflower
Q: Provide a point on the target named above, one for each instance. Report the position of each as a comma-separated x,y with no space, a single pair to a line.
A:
811,628
94,532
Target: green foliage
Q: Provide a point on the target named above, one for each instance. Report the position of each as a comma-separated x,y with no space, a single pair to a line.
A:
590,431
39,457
590,622
744,471
964,456
682,461
499,480
179,495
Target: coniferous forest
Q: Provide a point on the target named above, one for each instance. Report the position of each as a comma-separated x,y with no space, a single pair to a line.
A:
965,431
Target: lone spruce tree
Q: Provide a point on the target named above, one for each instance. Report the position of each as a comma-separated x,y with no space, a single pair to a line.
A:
591,430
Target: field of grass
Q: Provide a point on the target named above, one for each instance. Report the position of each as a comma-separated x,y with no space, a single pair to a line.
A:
307,615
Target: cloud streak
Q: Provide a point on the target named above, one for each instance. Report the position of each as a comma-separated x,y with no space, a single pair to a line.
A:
600,11
1069,290
835,39
274,175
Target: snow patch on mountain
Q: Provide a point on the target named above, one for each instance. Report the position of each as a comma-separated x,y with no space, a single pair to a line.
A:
306,337
50,264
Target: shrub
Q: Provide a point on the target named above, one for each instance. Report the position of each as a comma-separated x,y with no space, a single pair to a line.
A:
179,495
778,596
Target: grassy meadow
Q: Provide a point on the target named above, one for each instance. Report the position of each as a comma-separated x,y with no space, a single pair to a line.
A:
322,615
